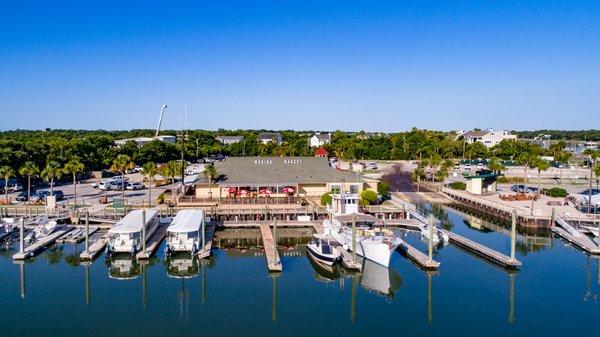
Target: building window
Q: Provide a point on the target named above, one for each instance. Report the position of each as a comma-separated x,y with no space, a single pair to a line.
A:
353,188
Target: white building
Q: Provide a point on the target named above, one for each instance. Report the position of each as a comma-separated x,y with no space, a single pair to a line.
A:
141,141
489,137
228,140
320,139
268,137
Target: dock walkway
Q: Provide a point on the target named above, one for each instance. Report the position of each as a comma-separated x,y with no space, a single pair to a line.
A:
154,237
269,244
209,235
482,251
33,249
95,248
418,257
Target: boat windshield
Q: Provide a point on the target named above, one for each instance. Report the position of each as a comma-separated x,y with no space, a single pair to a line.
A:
325,248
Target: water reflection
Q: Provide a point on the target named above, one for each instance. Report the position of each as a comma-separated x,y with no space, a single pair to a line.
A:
181,266
123,267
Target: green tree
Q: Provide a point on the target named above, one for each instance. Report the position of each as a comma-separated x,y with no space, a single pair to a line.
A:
368,196
29,169
541,165
383,188
326,198
149,170
74,166
119,165
6,172
210,172
50,172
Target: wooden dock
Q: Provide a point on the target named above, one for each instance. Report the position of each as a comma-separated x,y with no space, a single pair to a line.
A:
347,260
418,257
269,244
154,236
95,248
209,235
33,249
77,235
482,251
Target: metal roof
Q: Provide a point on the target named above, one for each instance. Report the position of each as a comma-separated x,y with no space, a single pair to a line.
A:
187,220
358,217
132,222
273,171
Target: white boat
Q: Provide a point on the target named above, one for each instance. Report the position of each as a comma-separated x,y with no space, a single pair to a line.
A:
126,235
322,250
7,227
184,233
591,229
374,244
439,236
44,228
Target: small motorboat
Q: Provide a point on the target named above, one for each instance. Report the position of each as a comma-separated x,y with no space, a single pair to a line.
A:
43,229
439,236
322,250
7,227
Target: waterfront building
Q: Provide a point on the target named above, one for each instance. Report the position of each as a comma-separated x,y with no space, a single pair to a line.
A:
256,177
321,152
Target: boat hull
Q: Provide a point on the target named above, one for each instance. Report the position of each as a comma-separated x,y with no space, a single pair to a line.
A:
328,259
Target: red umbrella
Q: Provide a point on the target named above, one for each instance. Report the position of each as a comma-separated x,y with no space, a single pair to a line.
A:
243,192
265,192
231,190
288,190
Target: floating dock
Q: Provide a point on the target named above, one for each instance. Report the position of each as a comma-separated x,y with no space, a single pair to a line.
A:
270,247
154,237
482,251
33,249
418,257
209,234
347,260
95,248
572,235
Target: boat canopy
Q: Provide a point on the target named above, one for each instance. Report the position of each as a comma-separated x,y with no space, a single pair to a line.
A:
187,220
132,222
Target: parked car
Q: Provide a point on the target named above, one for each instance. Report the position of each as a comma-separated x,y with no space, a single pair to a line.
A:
373,166
135,186
467,166
42,194
21,196
518,188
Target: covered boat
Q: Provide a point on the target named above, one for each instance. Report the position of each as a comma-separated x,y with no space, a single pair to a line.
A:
184,233
126,235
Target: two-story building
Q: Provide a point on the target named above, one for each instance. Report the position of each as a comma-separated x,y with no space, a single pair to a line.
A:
320,139
488,137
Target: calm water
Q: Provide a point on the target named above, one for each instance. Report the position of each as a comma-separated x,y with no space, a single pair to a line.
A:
555,294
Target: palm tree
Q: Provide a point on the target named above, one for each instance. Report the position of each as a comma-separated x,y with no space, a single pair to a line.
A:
496,165
526,159
541,165
119,165
150,170
74,166
29,169
171,170
50,172
210,172
6,172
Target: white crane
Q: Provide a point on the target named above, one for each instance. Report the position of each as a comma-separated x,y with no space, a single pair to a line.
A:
162,112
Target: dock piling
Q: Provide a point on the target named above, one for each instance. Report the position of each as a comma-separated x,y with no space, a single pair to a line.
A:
513,234
354,239
430,243
144,230
87,232
21,238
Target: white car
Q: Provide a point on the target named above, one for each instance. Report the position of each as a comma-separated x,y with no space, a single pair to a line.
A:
135,186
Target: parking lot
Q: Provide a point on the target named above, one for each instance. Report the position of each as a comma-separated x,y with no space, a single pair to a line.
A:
87,194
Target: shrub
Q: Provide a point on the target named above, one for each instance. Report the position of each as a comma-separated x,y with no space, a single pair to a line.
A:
383,188
369,196
458,185
326,199
161,198
506,180
555,192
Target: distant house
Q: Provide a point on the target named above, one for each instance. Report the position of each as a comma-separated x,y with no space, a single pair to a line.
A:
321,152
228,140
268,137
320,139
367,135
488,137
141,141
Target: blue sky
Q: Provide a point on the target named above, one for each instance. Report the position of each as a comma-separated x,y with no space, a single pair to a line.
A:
350,65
